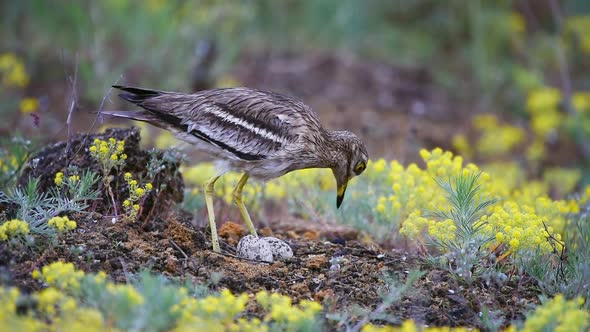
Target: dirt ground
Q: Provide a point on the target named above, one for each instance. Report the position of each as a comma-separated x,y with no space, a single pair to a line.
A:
180,251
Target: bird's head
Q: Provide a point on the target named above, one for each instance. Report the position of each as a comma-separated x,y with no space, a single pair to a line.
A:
349,159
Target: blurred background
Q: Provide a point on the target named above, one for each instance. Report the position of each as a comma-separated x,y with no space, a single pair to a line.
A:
491,80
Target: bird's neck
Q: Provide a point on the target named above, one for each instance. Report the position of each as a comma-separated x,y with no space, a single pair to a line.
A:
334,148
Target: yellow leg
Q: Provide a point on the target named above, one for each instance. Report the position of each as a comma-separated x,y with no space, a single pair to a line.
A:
209,189
237,195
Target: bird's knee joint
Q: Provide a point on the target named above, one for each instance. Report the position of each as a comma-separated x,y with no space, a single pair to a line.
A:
208,188
237,197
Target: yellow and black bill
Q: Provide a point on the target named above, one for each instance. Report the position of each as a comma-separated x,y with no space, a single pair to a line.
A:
340,194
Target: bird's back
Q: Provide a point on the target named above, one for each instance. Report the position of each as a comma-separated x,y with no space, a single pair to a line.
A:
239,123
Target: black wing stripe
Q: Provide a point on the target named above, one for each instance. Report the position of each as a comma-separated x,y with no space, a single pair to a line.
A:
176,122
239,154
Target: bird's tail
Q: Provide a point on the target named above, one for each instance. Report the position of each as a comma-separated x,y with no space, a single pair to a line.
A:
134,115
155,110
136,95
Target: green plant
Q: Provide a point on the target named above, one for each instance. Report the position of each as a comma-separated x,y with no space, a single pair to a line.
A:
137,195
14,153
357,318
465,212
37,208
13,230
558,314
74,300
109,154
567,269
460,234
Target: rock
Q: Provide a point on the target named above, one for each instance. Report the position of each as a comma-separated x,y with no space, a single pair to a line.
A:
316,262
251,247
232,232
266,249
280,249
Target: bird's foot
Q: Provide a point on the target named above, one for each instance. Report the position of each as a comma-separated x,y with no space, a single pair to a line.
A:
267,249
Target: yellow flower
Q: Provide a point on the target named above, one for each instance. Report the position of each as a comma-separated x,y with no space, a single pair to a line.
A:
580,25
462,145
12,71
13,228
541,100
59,179
558,314
516,23
581,102
60,275
62,224
29,105
48,299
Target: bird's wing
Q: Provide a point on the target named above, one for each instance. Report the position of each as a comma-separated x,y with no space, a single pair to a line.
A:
248,124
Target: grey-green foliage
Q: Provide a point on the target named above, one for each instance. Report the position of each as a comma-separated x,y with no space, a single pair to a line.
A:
463,255
107,39
155,313
491,320
392,292
467,207
566,271
36,207
14,152
110,38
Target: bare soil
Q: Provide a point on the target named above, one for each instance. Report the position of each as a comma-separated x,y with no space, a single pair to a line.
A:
175,248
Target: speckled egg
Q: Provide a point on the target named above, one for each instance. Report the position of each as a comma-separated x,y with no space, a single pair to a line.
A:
251,247
280,249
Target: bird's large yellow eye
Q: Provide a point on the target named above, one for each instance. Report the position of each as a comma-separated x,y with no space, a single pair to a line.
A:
359,168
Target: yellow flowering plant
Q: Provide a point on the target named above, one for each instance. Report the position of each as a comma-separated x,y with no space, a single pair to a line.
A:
558,314
62,224
494,139
29,105
12,71
75,298
109,154
13,229
137,195
282,312
71,184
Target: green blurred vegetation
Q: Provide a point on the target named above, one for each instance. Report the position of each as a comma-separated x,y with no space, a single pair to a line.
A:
522,58
491,43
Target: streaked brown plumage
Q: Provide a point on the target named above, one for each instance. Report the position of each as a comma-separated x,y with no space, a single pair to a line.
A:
262,134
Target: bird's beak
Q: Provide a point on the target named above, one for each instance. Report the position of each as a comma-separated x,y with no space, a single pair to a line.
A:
340,193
